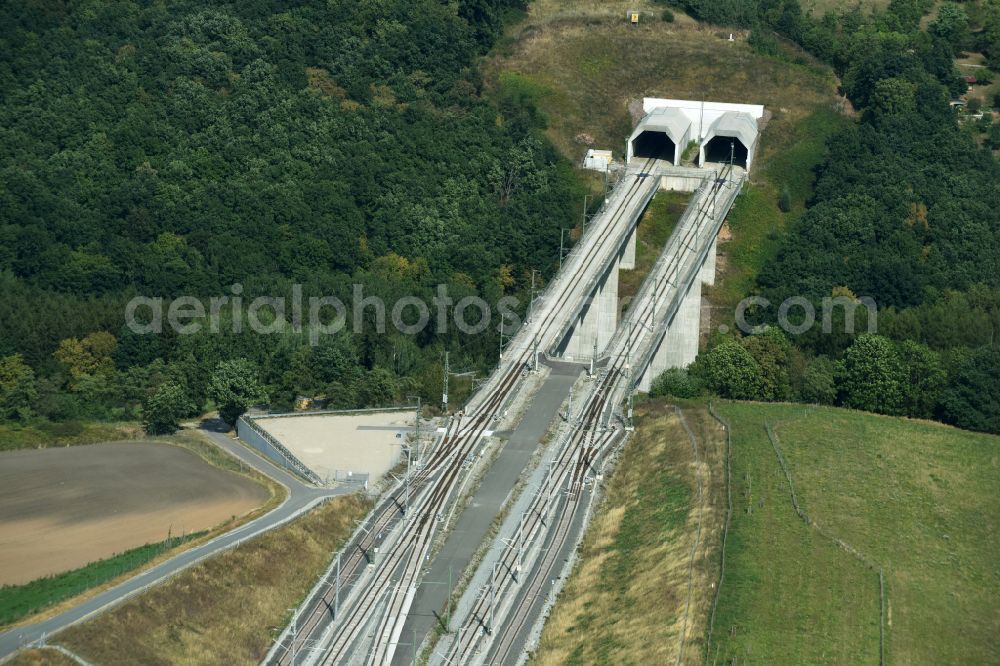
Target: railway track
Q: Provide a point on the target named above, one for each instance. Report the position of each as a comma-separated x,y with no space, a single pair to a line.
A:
391,581
390,512
508,644
566,488
411,548
478,640
392,623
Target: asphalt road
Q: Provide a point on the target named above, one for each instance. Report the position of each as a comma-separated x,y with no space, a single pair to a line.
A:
301,497
474,522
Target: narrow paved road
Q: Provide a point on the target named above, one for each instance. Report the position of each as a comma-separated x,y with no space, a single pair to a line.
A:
301,498
477,517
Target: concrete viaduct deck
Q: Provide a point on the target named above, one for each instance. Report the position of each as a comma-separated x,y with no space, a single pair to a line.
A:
499,615
574,319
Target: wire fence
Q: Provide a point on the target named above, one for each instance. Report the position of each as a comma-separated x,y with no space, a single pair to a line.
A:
868,562
350,476
725,529
697,538
861,557
327,412
314,596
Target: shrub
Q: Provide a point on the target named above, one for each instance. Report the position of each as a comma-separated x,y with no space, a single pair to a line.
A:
873,375
162,412
763,42
62,429
774,356
993,138
676,383
690,151
819,382
667,16
785,199
731,371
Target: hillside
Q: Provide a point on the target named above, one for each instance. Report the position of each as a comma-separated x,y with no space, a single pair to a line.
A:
640,592
214,150
917,499
901,215
580,68
581,64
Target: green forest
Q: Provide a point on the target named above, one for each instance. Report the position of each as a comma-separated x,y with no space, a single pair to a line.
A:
168,149
905,210
163,149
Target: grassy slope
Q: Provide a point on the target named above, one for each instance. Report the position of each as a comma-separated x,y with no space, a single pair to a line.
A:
224,609
625,601
72,433
917,498
583,65
654,230
42,657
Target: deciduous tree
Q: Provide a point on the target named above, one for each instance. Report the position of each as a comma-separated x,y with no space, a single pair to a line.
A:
676,383
164,409
972,399
235,387
17,387
731,371
873,376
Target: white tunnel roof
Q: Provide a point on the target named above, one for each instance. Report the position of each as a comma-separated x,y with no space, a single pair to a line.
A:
671,121
734,123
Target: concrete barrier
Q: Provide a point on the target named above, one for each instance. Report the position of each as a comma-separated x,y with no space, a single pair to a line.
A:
257,438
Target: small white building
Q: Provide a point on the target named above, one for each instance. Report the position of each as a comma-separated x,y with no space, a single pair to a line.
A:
723,131
598,160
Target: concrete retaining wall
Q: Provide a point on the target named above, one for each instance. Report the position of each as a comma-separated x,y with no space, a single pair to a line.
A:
681,183
252,438
256,438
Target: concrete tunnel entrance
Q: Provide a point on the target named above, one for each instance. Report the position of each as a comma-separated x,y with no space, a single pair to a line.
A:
654,144
720,148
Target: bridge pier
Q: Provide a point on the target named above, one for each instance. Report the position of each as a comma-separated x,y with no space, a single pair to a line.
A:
594,326
707,274
679,346
626,262
597,321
